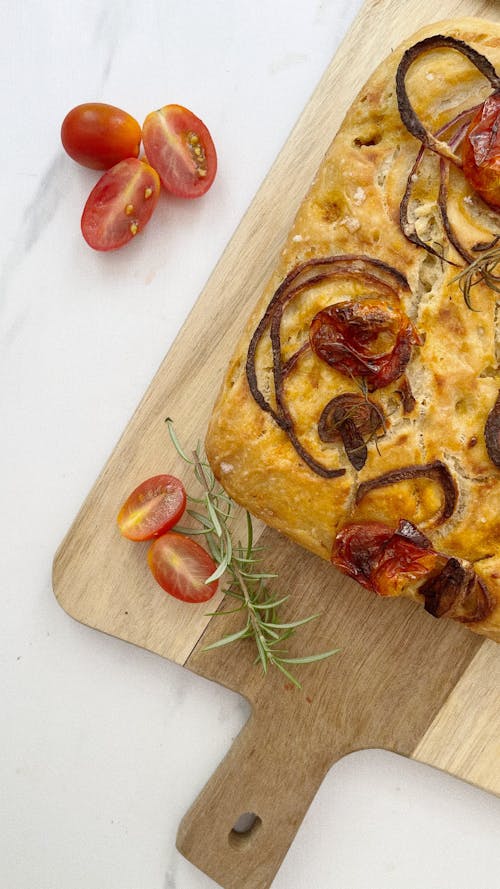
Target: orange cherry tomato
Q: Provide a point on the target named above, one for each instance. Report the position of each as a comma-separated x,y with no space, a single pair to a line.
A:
481,151
98,135
120,205
180,147
152,508
181,566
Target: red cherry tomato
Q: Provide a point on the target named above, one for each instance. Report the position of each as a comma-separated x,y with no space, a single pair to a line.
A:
179,146
382,559
98,135
152,508
181,566
481,151
120,205
364,338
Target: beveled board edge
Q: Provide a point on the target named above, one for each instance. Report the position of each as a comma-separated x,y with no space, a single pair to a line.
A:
167,628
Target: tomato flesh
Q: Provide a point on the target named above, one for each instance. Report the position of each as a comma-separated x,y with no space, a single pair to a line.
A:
364,338
120,205
152,508
98,136
179,146
381,558
481,151
181,566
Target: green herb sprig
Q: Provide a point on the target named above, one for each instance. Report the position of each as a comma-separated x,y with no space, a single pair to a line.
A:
483,269
239,563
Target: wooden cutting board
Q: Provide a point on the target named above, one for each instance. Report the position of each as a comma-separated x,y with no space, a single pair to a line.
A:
403,681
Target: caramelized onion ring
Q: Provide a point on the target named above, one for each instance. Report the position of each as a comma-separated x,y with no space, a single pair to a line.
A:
457,592
492,433
303,276
437,471
407,227
408,115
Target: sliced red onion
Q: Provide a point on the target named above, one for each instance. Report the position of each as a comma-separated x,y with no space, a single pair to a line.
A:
492,433
436,471
302,277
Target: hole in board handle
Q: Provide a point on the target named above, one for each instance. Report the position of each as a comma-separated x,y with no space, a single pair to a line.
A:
244,829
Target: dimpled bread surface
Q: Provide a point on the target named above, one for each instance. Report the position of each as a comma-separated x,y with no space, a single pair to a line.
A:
353,208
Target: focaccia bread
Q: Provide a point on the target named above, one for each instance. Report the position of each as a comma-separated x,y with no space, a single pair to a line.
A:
360,414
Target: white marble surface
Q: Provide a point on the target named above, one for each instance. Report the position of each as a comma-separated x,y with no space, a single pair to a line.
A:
104,746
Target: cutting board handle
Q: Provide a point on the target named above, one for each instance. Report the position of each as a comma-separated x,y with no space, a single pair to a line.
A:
265,775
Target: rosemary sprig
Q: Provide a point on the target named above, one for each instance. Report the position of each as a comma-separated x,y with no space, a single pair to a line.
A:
238,563
480,270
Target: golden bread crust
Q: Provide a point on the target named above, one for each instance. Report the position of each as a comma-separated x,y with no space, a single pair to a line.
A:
353,208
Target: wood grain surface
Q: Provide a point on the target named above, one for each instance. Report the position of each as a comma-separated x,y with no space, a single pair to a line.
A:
402,681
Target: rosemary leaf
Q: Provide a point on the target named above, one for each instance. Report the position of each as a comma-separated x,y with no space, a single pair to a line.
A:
293,625
237,561
224,611
242,560
249,535
229,545
262,576
219,571
271,603
480,270
290,676
226,640
261,648
213,548
310,658
286,635
189,532
199,517
213,515
175,440
230,591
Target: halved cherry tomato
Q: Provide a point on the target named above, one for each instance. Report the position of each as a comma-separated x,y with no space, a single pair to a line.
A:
181,566
152,508
120,205
366,338
481,151
97,135
179,146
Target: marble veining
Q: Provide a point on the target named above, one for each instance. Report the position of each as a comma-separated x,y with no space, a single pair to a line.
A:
105,746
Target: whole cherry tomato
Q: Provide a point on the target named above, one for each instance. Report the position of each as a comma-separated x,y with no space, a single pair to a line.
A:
98,135
152,508
179,146
481,151
120,205
181,566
